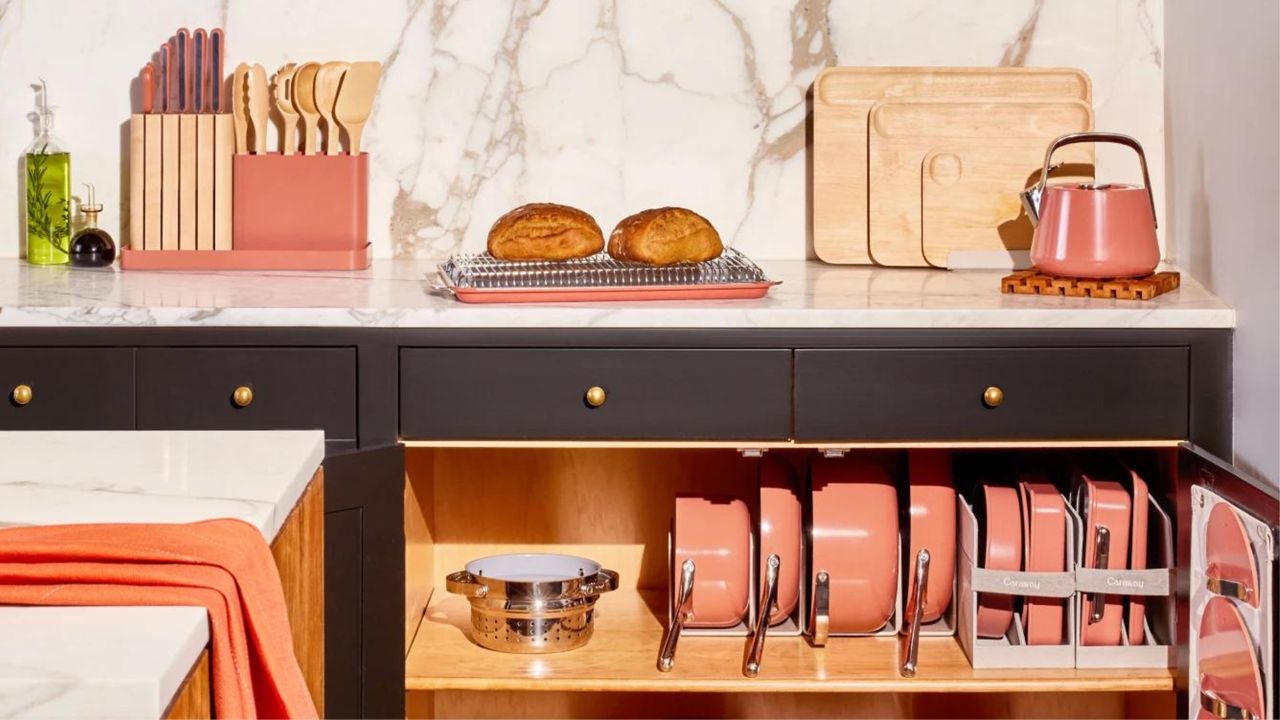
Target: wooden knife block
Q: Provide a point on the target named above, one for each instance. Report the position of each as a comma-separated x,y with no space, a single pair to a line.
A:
180,181
301,202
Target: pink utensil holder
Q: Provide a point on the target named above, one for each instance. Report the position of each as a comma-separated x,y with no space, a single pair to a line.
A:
300,202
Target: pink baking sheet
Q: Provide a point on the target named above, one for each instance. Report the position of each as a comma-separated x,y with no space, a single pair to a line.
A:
741,291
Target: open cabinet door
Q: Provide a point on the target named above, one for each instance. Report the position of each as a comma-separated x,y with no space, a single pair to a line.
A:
364,583
1227,537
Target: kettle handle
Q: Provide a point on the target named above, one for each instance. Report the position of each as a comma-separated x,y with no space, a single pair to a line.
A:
1098,137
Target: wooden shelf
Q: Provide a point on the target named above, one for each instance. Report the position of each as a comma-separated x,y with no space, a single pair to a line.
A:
621,658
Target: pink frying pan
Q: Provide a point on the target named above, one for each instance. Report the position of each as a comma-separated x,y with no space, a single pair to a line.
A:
716,535
933,527
1107,523
1138,557
1229,567
1044,536
781,533
1230,680
1002,550
855,544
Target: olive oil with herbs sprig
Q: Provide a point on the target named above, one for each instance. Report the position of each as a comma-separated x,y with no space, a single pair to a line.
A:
48,193
48,207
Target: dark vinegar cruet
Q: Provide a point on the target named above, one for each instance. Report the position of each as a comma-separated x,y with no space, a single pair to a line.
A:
92,247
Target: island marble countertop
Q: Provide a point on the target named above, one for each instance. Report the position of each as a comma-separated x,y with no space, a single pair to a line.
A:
408,294
120,661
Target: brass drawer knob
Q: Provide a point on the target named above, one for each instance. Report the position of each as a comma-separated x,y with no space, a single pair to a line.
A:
992,396
596,396
242,396
21,395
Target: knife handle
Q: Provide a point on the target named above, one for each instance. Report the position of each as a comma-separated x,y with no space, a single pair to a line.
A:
199,62
183,61
147,87
217,47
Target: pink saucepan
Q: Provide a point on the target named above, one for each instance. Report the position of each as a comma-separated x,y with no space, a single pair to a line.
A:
1093,230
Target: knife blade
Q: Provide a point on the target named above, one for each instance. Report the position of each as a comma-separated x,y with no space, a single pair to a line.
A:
217,47
200,83
166,52
183,61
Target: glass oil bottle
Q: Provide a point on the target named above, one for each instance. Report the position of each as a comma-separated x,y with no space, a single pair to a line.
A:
48,180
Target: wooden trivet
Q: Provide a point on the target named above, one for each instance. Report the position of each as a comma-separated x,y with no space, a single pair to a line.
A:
1030,282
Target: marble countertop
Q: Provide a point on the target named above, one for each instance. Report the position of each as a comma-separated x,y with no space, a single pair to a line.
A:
129,662
408,294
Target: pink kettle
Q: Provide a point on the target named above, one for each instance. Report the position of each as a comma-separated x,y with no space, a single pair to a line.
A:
1092,230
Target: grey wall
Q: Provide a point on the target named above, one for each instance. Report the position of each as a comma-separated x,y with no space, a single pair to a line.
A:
1222,122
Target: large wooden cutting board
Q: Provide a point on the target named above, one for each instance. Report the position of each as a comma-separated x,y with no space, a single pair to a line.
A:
842,101
970,193
903,132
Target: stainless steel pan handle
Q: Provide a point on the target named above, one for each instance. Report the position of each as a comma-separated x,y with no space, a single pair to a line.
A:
1101,557
604,581
683,609
768,599
821,622
464,583
910,648
1211,703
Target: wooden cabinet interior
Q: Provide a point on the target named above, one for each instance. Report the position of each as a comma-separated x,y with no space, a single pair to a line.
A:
614,504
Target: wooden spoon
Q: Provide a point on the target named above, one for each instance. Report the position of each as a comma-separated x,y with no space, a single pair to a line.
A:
259,104
355,100
304,101
282,93
239,81
328,82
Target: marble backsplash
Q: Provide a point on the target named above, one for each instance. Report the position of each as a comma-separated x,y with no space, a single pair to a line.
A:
610,105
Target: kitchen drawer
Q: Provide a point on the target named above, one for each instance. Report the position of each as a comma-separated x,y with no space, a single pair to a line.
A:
649,394
292,389
938,394
69,388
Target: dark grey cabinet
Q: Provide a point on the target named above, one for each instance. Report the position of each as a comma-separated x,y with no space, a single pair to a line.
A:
292,389
1035,393
366,387
642,393
67,389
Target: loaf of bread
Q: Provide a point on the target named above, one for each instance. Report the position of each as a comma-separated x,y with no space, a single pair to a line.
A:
544,231
665,236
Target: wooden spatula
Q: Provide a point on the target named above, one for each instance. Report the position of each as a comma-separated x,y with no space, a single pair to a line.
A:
259,102
282,93
239,110
304,101
328,82
355,100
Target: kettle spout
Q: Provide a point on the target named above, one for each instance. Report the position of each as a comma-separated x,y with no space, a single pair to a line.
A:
1031,203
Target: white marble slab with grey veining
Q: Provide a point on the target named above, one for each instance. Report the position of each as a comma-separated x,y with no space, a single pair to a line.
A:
408,294
120,661
611,105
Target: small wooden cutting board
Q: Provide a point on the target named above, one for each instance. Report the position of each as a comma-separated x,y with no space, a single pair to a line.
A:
904,132
842,100
970,192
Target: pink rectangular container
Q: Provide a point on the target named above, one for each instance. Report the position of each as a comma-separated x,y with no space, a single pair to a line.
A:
300,202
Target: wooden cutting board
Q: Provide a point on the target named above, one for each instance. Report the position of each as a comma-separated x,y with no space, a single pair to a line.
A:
903,132
970,193
842,101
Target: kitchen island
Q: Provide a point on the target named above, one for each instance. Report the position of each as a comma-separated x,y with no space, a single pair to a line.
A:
133,661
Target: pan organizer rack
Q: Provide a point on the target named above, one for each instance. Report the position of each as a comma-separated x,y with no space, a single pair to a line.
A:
200,200
627,528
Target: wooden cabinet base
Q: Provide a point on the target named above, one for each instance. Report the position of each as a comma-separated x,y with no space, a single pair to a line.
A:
194,700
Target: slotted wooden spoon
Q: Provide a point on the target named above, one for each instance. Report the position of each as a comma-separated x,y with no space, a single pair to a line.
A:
355,100
282,93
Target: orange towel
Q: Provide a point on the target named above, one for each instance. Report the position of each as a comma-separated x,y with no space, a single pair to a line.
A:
222,565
